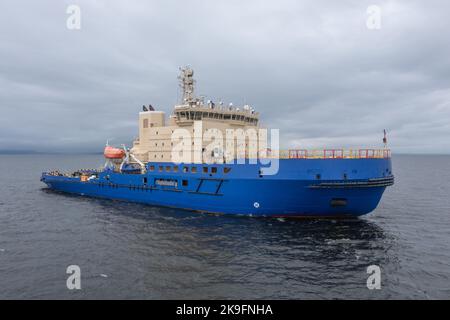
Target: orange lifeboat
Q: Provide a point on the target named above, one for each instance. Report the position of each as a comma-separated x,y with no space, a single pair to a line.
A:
113,153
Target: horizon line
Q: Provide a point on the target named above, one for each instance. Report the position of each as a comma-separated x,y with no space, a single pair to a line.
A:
33,152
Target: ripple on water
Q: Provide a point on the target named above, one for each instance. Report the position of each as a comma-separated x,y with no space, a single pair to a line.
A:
129,250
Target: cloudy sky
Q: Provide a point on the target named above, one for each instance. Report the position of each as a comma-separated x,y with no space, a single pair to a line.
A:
311,68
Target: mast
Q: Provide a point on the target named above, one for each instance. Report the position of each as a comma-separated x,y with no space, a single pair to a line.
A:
187,85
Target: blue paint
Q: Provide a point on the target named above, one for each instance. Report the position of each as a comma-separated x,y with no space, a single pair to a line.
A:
302,187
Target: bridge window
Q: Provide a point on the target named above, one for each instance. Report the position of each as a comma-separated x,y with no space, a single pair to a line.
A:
145,123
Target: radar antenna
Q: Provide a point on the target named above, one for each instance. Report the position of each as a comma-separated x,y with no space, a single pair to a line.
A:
187,85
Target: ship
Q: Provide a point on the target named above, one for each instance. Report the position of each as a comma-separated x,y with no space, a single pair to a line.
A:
181,162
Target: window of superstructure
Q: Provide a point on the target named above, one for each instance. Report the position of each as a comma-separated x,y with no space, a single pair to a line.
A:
205,169
226,169
194,169
145,123
160,168
175,169
152,168
168,168
214,170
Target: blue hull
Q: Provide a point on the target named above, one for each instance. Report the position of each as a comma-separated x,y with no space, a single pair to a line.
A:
302,187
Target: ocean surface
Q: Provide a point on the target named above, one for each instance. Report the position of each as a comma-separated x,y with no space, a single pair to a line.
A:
135,251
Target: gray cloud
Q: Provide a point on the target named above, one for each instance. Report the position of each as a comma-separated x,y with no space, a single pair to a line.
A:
311,68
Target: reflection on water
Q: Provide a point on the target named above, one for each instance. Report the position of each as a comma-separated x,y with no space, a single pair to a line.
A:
252,257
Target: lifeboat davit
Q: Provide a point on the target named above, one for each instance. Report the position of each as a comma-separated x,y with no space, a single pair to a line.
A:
113,153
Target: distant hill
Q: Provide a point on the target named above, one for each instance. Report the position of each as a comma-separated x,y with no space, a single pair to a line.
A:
6,151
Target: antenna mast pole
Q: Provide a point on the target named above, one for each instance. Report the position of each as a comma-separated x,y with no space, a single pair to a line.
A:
187,85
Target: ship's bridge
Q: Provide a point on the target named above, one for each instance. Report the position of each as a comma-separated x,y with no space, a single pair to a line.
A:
186,114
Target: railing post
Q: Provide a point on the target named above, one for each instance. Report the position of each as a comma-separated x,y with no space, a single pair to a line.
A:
335,154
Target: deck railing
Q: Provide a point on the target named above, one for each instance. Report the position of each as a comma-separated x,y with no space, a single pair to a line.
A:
332,154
